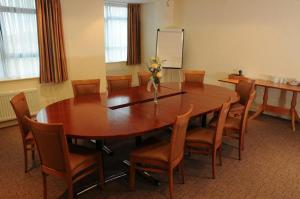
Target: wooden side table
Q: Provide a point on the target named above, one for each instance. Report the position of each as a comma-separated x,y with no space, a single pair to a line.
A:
265,107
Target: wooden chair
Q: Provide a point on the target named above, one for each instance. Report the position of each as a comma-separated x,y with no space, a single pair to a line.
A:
21,109
144,78
119,82
238,125
162,156
194,76
209,140
244,88
86,87
70,163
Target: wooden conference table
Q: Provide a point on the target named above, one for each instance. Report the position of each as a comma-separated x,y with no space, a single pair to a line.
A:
132,112
292,112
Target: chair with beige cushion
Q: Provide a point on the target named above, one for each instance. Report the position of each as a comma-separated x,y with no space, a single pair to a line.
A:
209,140
243,88
88,87
144,78
21,109
162,156
235,127
115,83
194,76
85,87
70,163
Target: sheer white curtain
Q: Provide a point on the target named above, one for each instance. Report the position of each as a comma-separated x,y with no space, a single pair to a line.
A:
115,16
18,40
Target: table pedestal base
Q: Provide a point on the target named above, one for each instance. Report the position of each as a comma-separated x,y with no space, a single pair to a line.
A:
119,175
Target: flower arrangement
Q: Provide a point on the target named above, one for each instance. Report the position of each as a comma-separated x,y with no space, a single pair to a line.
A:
155,67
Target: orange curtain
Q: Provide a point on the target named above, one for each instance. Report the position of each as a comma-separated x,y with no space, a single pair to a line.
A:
134,35
53,64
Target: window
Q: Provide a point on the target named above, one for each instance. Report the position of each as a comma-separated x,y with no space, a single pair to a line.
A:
19,56
115,16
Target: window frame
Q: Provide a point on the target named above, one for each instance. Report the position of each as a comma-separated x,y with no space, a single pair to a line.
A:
11,9
114,4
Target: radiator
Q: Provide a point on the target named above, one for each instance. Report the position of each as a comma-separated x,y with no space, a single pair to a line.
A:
6,111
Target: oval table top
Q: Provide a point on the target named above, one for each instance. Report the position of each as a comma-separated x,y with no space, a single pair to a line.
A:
132,112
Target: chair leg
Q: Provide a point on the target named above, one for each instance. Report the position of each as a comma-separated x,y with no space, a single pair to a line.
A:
220,155
45,185
246,127
32,153
181,170
25,159
243,142
132,176
240,147
213,164
70,188
171,182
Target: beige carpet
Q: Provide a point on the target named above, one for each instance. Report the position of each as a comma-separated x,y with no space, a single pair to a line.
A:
270,169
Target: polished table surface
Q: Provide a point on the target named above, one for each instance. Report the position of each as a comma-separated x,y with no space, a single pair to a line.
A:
132,112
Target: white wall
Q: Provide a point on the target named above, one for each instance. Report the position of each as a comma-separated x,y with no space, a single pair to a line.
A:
156,15
84,39
261,37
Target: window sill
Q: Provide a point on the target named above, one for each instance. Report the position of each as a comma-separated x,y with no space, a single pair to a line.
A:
15,80
117,62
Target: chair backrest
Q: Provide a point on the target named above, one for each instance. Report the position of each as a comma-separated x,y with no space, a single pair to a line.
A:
21,109
119,82
244,119
178,136
221,123
86,87
194,76
144,78
244,89
52,146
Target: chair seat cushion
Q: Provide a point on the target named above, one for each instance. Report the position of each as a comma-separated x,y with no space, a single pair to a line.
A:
159,151
82,158
201,135
236,109
232,123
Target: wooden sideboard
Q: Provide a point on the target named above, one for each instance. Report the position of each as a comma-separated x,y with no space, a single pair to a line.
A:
265,107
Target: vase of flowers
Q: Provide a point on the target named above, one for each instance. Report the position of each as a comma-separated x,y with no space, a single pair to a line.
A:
154,68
